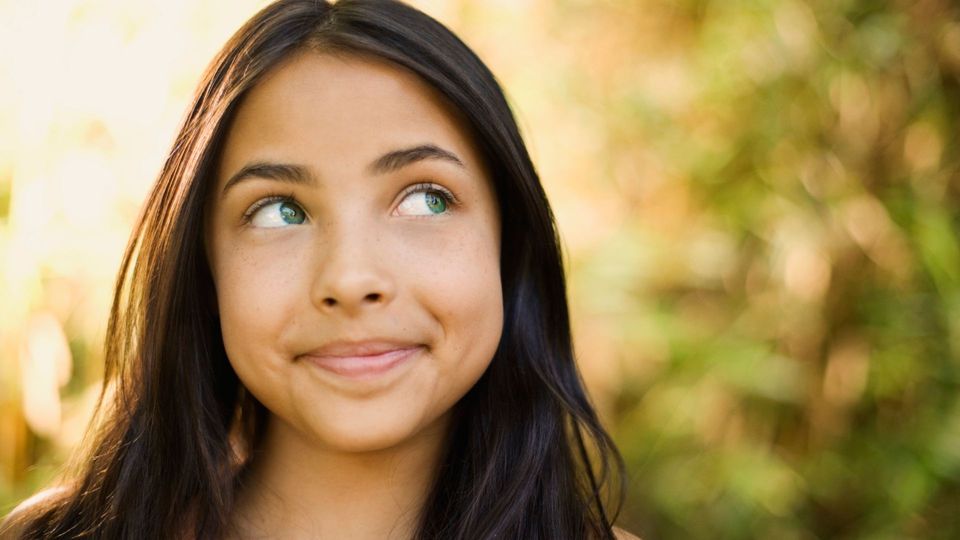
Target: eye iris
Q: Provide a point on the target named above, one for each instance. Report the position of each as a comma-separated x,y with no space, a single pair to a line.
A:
291,214
435,204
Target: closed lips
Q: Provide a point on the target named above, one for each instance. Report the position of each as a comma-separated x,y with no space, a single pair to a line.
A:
360,348
361,360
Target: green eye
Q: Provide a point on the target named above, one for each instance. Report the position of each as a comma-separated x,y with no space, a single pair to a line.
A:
277,214
425,201
291,214
434,203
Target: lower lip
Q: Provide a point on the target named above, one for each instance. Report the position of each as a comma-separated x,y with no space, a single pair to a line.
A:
363,367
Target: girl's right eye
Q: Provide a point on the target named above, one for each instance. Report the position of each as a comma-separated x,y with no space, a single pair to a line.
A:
274,212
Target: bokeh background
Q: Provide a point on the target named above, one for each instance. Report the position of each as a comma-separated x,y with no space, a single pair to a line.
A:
758,201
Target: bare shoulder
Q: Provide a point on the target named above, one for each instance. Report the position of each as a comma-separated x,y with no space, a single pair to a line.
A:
12,526
624,535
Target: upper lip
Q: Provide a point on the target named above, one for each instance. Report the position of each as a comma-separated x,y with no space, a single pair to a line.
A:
370,347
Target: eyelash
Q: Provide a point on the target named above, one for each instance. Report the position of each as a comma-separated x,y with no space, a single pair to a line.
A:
270,199
448,197
426,187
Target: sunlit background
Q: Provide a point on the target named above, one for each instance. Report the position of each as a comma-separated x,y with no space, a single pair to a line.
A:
758,200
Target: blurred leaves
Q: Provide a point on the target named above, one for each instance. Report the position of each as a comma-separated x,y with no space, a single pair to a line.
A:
780,284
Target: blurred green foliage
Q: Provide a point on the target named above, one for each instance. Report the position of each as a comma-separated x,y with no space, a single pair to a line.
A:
785,288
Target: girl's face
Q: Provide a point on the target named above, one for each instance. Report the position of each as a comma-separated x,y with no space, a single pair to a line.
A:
354,241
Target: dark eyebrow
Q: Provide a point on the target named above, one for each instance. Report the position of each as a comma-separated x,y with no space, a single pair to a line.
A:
297,174
293,174
398,159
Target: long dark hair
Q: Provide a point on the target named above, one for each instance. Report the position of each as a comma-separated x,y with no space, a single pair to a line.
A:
526,458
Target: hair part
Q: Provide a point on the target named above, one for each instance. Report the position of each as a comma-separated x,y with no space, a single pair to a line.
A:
527,456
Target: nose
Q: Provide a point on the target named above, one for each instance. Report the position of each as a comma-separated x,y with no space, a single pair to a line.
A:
352,275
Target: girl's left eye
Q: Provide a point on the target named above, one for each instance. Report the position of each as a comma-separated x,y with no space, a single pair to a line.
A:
426,200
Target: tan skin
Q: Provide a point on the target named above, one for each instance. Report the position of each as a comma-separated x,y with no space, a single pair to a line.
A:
355,256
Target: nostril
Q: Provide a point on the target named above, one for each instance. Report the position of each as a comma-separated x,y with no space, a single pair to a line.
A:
373,298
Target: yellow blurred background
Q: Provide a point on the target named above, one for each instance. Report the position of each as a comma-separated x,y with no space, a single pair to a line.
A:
758,202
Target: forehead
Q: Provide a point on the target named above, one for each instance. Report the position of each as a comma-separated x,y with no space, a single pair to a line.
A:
338,111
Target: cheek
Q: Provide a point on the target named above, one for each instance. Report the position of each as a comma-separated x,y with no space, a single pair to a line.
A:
470,300
254,297
463,292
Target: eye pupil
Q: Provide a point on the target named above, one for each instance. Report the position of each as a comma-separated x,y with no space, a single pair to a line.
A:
435,204
291,214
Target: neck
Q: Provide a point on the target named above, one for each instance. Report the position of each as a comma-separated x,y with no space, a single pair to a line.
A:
297,489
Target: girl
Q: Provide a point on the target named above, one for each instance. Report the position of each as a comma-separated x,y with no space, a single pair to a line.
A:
342,312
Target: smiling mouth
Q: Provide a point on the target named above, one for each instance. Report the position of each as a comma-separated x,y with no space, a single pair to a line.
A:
363,366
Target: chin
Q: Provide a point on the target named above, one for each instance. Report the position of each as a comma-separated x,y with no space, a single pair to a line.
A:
361,443
360,433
